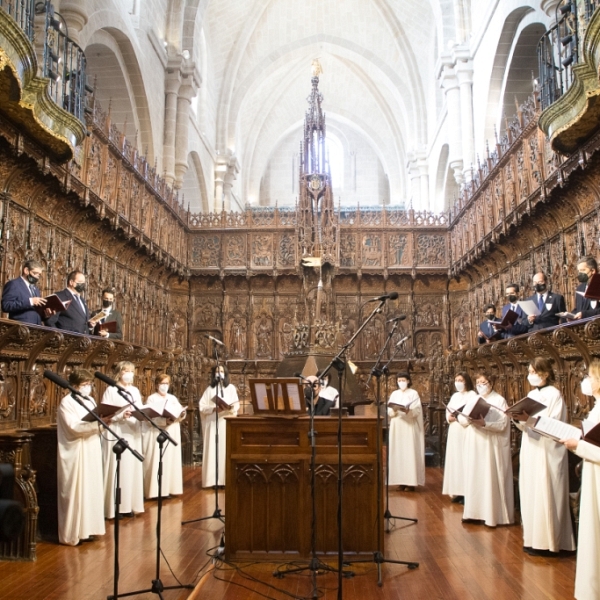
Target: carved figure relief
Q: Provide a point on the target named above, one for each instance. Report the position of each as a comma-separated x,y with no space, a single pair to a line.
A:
287,251
262,251
371,250
431,250
8,399
263,335
348,250
237,336
397,250
205,251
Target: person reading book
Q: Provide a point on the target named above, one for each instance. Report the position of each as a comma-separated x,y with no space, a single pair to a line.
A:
488,465
587,575
543,473
487,332
101,319
454,466
406,436
585,307
169,413
220,387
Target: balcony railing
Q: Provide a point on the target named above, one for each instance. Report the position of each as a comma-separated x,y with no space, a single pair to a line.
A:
22,11
559,49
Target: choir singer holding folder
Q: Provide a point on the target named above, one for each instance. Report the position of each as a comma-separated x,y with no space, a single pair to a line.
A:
587,577
543,474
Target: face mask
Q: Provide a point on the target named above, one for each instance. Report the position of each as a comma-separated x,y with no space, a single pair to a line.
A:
483,389
32,280
403,385
106,303
512,298
540,287
85,390
586,387
490,317
127,377
582,277
163,388
460,386
534,379
219,375
80,288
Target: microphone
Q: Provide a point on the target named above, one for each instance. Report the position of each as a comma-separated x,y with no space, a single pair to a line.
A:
390,296
102,377
300,376
402,341
214,339
398,318
63,383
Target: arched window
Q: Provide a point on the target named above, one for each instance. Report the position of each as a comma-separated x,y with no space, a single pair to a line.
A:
335,153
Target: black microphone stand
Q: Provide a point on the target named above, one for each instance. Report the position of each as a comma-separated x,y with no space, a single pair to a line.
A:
378,557
339,364
121,445
217,512
387,515
157,585
315,564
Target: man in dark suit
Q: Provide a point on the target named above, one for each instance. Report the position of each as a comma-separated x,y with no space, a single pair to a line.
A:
521,325
585,307
77,315
548,303
20,296
487,333
111,315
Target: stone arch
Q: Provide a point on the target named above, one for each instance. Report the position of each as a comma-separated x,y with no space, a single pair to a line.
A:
113,64
195,193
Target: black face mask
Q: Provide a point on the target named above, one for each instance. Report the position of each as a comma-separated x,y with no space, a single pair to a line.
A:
32,280
80,288
512,298
106,303
582,277
490,317
540,287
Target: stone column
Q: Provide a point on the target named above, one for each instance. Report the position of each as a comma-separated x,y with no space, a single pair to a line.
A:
464,71
450,85
75,18
172,84
415,183
233,169
423,169
220,171
187,91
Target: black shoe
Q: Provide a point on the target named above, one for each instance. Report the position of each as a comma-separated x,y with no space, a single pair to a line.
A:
458,500
545,553
409,488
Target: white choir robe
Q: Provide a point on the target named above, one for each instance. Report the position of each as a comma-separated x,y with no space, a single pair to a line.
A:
79,474
587,577
454,463
406,440
132,473
172,474
331,394
489,494
207,411
544,480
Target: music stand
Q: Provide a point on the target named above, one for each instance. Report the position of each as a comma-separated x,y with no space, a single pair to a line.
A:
277,396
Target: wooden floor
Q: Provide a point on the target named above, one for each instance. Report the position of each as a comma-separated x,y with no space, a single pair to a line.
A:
457,561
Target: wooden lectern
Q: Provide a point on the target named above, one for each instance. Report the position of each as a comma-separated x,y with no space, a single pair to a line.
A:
267,500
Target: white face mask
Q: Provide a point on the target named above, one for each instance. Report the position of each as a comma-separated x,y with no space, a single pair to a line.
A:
85,390
534,379
586,387
127,377
403,385
460,386
163,388
483,389
219,375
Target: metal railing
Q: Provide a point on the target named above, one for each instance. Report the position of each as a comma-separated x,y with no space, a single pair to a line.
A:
22,11
559,49
63,63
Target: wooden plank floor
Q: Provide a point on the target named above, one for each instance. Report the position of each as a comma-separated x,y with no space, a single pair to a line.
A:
457,560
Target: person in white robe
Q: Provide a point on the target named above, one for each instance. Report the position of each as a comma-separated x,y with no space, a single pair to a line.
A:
128,427
489,494
208,410
454,463
543,471
329,395
587,576
406,436
79,467
173,413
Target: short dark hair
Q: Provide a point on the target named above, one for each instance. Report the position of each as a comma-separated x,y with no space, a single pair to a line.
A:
488,306
32,264
108,291
590,262
467,378
513,285
406,375
71,276
79,376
